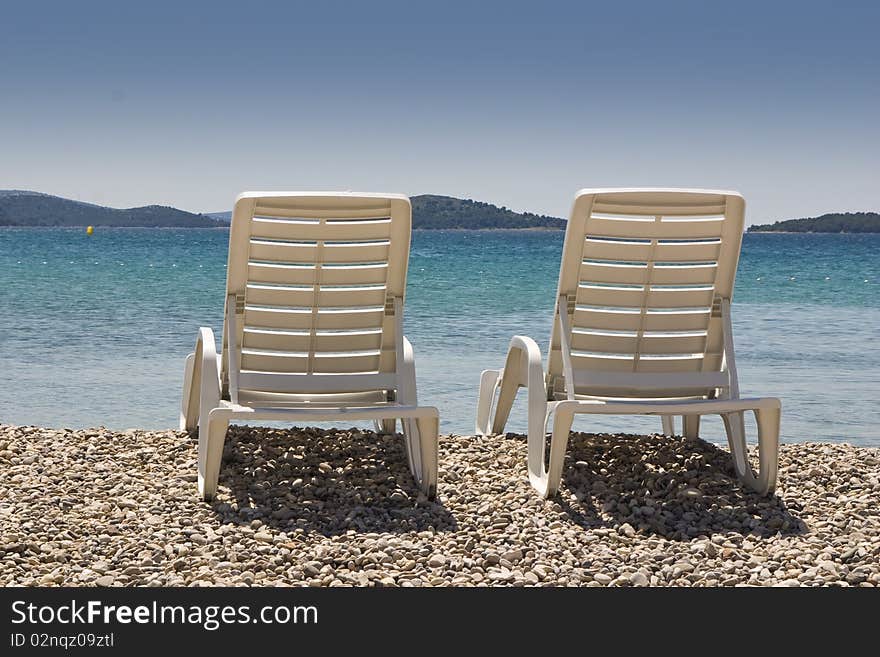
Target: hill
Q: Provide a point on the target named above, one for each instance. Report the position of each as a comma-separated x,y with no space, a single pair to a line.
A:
23,208
438,212
434,212
835,222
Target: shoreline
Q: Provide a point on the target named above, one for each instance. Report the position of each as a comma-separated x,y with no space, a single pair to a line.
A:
313,507
811,232
531,229
535,229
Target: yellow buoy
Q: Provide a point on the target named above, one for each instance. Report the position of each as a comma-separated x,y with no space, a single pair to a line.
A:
89,230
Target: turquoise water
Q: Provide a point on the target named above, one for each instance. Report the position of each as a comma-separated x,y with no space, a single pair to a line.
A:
94,330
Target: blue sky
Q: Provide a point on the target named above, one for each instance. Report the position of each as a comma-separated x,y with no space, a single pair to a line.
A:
520,104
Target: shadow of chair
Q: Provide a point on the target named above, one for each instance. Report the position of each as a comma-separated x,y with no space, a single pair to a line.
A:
673,487
329,482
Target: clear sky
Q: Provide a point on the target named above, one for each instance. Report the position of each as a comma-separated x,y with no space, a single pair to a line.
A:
519,104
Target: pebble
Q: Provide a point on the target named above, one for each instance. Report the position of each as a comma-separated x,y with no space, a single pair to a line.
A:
112,508
639,579
437,561
513,556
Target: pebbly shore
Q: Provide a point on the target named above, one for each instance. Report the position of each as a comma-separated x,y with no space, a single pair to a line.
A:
311,507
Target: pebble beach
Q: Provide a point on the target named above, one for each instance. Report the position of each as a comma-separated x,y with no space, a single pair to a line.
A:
314,507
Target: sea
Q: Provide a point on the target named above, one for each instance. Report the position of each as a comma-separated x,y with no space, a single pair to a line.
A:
94,329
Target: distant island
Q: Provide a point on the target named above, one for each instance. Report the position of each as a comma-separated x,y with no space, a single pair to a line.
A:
433,212
430,211
26,208
835,222
446,212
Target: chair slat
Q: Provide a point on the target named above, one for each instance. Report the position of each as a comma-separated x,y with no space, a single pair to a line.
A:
345,364
318,208
680,251
670,343
637,274
616,250
684,274
590,295
302,319
614,320
306,274
696,320
306,296
632,274
604,342
660,343
354,274
284,252
314,383
337,252
265,212
678,297
670,364
656,297
355,252
338,363
262,362
302,340
313,230
682,208
649,383
652,229
609,364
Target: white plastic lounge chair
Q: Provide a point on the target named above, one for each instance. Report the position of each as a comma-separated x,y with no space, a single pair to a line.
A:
313,327
642,326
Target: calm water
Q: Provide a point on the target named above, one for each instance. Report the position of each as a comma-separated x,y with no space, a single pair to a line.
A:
93,331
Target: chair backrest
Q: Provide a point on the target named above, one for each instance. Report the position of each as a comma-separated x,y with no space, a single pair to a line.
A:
643,276
315,288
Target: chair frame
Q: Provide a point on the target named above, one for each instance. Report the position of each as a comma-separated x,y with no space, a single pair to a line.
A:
546,399
212,381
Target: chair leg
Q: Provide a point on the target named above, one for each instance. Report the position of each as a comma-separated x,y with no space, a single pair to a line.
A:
508,388
767,419
690,426
735,427
546,480
201,381
212,434
488,387
668,425
523,368
421,436
189,400
385,427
